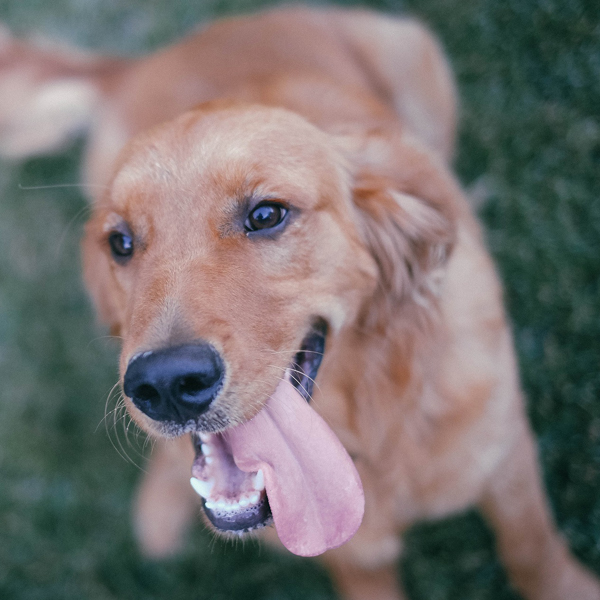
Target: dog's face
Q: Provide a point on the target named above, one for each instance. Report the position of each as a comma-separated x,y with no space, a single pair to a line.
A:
235,245
230,236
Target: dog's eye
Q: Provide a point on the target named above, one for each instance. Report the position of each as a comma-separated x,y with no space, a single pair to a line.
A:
121,246
265,216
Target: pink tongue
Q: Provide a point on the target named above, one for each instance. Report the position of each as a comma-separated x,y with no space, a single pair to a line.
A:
315,493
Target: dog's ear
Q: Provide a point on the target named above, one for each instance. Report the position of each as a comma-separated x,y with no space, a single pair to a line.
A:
48,94
405,204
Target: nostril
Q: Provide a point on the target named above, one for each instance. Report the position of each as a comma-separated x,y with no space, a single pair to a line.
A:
190,387
147,393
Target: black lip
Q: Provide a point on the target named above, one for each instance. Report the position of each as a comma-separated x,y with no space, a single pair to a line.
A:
242,521
307,361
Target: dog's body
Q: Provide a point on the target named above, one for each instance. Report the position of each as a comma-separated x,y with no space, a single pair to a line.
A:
419,380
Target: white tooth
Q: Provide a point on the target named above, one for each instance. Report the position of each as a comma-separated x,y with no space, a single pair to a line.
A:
244,502
235,506
206,449
221,504
208,459
204,436
209,505
202,488
258,481
254,498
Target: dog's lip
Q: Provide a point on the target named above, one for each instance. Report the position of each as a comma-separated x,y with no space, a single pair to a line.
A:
242,505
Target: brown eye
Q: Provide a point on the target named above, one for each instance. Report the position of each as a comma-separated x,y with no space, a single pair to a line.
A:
121,246
265,216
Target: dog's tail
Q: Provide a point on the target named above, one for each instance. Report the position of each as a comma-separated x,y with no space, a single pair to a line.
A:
48,94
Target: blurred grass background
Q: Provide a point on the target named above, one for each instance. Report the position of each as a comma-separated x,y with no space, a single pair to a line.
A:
529,80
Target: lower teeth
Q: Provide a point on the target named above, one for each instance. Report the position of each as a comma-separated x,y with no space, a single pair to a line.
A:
243,503
203,489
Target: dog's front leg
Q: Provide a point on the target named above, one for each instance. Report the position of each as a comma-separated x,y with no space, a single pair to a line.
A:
165,503
538,561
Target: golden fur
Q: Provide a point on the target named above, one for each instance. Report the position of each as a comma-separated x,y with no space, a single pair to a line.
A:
350,117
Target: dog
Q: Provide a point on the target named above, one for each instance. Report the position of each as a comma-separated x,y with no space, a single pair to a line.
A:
301,288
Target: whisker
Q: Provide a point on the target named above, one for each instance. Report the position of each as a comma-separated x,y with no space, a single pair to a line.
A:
106,414
108,432
62,185
299,371
124,424
215,537
310,396
148,441
292,370
127,422
104,337
85,209
294,352
119,414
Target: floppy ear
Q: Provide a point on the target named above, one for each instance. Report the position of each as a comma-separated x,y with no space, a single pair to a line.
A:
406,215
47,95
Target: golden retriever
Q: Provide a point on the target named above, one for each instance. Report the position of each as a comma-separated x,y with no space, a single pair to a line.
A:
301,288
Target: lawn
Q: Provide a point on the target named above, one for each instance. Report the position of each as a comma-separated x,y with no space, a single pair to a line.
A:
529,151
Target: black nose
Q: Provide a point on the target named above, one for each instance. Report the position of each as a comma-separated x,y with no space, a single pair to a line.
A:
175,384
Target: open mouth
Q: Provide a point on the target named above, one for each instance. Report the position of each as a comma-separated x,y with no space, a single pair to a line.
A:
236,501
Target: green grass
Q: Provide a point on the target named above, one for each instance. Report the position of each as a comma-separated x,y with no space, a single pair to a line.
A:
529,78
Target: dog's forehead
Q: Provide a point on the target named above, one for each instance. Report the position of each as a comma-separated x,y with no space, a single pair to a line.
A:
203,160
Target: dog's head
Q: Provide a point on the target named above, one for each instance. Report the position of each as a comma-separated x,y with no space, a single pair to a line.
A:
234,241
